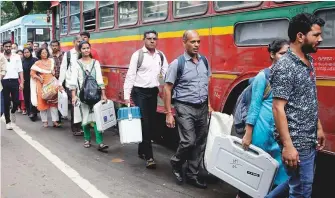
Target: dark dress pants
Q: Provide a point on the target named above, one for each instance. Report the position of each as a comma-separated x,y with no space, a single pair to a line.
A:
146,100
10,91
192,122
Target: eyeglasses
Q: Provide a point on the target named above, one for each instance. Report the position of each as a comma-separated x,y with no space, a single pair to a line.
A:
150,39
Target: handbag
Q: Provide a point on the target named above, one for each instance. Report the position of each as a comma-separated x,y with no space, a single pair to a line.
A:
50,90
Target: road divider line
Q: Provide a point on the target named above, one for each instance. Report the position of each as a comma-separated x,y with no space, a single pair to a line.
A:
84,184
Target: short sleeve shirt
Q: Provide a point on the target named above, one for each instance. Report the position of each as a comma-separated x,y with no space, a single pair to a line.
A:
292,80
192,86
14,67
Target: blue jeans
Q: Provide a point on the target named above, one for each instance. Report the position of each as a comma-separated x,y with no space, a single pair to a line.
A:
300,180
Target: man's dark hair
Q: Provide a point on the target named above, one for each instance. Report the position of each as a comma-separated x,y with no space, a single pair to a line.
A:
39,52
54,41
30,41
6,42
85,34
149,32
38,45
303,23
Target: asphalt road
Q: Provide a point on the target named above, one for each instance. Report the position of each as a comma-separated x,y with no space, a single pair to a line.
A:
42,163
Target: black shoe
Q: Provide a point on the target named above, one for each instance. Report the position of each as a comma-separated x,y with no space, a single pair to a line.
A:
196,183
178,175
176,171
151,164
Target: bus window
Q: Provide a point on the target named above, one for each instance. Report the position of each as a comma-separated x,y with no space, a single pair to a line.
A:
63,17
15,36
74,16
189,8
232,5
155,10
128,13
106,14
260,32
328,32
89,15
19,36
38,34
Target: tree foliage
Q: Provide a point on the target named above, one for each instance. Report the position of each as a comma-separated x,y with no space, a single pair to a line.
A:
11,10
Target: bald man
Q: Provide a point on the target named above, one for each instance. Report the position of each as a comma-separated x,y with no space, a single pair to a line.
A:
188,77
65,76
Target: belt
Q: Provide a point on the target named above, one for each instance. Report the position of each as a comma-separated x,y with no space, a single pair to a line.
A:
191,104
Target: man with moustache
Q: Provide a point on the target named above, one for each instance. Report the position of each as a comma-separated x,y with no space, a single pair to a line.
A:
11,84
69,59
188,76
295,104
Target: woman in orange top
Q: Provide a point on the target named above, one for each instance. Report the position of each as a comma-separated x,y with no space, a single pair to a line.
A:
42,72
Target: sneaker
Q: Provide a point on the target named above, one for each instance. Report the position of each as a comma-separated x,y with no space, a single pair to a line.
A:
13,117
9,126
151,164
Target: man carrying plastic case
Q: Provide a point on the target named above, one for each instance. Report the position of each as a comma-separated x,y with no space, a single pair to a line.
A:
188,77
142,81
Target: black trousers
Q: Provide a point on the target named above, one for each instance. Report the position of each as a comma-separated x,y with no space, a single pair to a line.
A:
10,91
146,99
192,121
27,98
75,127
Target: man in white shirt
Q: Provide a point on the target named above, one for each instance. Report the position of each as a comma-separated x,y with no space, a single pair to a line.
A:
142,81
65,76
10,83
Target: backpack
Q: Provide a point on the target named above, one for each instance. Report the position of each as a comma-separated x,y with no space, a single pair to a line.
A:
243,103
181,65
141,57
90,92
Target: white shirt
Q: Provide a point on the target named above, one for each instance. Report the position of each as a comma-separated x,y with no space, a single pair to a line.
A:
65,74
14,67
34,54
147,76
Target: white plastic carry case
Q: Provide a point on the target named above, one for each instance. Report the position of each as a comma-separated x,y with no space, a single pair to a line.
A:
104,114
63,103
251,171
130,127
219,126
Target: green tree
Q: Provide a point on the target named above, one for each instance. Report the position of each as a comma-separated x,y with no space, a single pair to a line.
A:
11,10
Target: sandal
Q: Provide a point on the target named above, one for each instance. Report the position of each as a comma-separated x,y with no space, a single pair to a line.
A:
103,147
45,124
24,112
57,125
87,144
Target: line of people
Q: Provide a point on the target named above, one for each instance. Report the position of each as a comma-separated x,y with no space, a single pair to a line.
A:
289,110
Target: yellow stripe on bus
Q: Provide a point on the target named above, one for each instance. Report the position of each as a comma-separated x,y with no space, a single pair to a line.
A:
327,83
176,34
225,76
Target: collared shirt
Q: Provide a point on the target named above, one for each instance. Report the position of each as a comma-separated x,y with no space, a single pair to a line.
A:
3,67
292,80
147,76
58,62
14,67
34,54
65,74
192,86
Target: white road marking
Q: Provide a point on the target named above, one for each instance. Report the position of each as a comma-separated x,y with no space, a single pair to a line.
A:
84,184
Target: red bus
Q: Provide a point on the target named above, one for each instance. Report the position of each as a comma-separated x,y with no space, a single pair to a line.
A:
234,37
